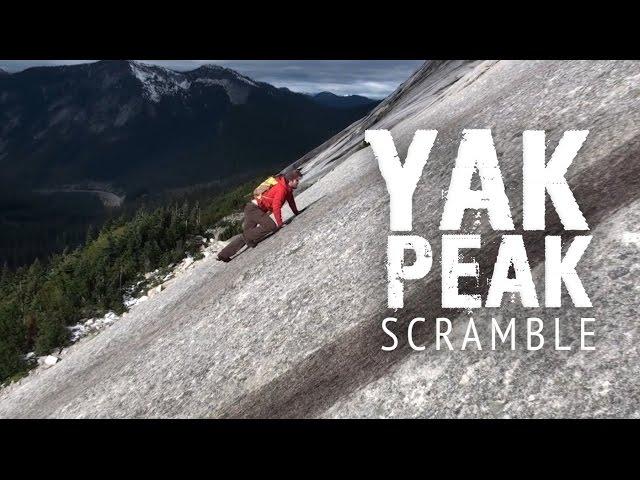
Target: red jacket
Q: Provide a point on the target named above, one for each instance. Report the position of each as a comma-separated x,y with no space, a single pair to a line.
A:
273,199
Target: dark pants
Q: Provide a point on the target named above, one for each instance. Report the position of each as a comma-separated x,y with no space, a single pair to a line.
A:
257,225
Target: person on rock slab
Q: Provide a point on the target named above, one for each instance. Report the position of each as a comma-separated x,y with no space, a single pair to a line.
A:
269,198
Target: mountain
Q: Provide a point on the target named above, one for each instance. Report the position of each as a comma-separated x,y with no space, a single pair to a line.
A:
138,127
234,340
348,101
3,72
77,139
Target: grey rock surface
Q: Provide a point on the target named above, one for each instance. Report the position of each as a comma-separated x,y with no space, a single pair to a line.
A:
292,327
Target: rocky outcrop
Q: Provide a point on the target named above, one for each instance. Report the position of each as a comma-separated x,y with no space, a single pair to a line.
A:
292,327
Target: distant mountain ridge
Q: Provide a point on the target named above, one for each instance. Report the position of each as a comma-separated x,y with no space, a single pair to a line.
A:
347,101
140,126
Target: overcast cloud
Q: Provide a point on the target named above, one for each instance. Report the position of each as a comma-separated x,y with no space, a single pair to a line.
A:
371,78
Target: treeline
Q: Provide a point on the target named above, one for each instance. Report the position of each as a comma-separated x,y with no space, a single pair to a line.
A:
39,302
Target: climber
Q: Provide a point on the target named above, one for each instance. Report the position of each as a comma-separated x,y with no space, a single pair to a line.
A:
268,198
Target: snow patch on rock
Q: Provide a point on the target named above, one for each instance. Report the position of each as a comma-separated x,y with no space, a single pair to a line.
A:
50,360
91,325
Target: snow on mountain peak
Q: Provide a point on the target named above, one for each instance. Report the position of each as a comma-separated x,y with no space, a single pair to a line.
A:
159,81
224,72
244,79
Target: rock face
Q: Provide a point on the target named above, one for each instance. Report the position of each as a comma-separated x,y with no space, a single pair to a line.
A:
292,327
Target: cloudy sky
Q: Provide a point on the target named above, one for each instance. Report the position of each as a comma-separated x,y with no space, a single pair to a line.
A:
372,78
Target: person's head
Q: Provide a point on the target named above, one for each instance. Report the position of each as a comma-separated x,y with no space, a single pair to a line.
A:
293,178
